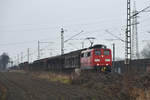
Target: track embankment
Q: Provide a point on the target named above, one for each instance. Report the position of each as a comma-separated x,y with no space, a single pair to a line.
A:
89,86
3,92
115,87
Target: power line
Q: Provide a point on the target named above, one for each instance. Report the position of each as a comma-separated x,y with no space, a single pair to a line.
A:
115,36
17,43
143,10
73,36
73,46
24,42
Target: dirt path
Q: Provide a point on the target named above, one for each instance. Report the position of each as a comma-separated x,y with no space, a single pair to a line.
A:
22,86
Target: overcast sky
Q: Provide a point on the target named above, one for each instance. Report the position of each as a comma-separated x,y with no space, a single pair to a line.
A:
24,22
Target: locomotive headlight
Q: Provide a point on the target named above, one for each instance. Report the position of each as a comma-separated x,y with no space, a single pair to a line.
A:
96,60
107,59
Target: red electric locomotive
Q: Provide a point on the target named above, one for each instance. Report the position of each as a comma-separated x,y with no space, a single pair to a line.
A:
97,57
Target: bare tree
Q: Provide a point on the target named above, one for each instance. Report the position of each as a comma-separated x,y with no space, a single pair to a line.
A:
4,60
146,51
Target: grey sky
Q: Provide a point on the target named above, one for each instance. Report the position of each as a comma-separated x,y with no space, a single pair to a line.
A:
23,22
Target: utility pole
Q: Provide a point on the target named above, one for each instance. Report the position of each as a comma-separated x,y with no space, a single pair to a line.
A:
113,51
21,57
62,41
113,57
135,48
18,60
128,36
28,53
38,49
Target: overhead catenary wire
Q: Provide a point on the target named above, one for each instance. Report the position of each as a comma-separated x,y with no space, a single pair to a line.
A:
140,11
73,36
32,53
114,35
73,46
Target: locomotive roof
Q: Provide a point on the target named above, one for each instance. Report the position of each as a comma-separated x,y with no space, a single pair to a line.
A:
98,46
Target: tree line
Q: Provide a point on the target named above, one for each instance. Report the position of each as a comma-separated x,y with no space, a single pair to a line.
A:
4,60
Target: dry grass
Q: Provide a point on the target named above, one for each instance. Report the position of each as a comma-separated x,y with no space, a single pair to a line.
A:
140,94
3,92
62,78
17,71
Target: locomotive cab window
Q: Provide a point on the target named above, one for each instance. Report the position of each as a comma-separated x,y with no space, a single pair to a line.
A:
82,55
88,54
97,52
106,52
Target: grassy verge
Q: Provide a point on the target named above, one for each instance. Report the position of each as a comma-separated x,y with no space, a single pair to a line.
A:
17,71
62,78
3,92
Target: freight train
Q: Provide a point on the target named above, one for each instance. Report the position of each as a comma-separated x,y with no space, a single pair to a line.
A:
97,57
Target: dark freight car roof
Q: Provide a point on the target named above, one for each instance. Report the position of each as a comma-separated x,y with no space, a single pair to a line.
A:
70,53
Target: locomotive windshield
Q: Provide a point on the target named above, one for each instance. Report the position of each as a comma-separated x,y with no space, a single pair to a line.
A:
97,52
106,52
